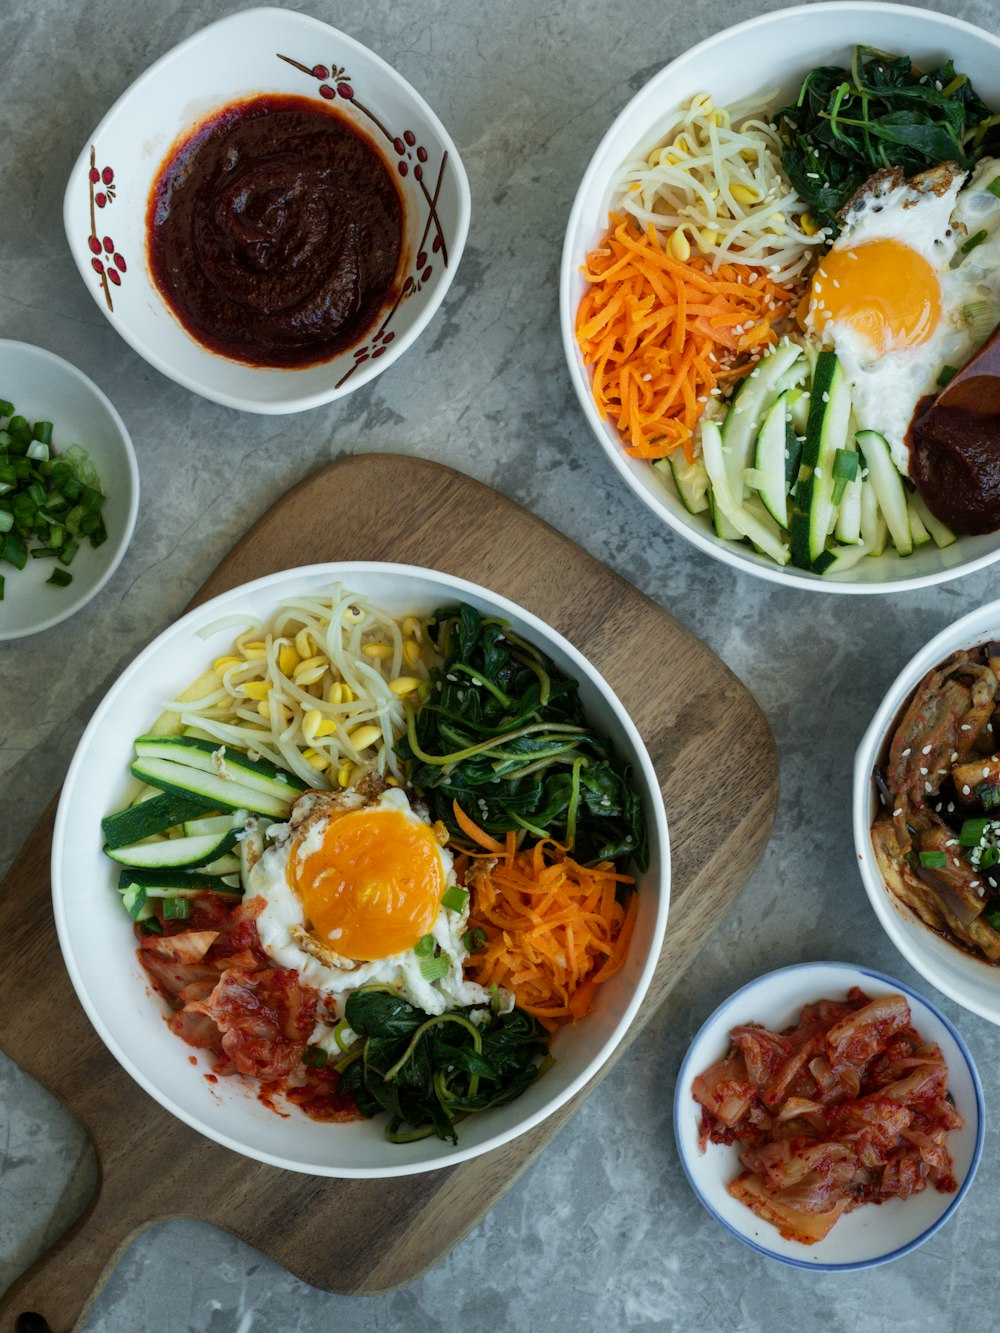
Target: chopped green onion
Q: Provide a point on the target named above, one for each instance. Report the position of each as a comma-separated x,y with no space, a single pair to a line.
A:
988,857
2,581
6,408
933,860
455,898
43,432
152,926
175,909
424,947
845,469
474,939
135,900
994,186
980,317
973,241
315,1057
945,375
6,520
988,795
973,831
432,969
62,578
39,451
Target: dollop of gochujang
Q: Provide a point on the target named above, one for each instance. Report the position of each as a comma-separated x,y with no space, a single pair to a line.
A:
275,231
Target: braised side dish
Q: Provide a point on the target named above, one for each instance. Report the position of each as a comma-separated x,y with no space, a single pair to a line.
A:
850,1106
275,231
937,836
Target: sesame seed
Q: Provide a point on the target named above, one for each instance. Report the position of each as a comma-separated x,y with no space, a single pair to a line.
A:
928,787
926,750
951,807
897,811
966,791
965,727
923,770
906,752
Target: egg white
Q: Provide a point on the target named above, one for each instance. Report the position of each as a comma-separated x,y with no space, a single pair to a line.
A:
283,913
886,388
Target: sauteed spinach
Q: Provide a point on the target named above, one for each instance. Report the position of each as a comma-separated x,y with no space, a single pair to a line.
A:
501,730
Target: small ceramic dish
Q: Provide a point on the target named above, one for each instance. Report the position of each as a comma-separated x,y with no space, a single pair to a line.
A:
263,51
968,980
770,52
98,942
44,387
870,1235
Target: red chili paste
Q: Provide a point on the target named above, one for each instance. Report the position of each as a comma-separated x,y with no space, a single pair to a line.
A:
274,232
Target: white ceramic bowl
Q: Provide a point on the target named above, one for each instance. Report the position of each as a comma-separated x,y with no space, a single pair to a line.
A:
262,51
44,387
870,1235
96,935
772,51
967,980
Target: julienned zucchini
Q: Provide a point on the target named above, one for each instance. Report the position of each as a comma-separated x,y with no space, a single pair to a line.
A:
776,444
222,760
758,527
746,412
218,793
197,850
159,812
826,432
888,486
690,480
163,883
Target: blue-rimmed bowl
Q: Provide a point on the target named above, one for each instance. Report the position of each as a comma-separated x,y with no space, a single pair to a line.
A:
870,1235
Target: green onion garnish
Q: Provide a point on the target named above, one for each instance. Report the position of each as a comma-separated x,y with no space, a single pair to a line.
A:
945,375
933,860
174,909
432,969
972,832
62,578
988,795
424,947
455,898
474,939
972,242
994,186
315,1057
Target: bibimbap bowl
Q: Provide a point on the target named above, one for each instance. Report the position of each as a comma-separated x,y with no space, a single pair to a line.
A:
99,946
770,53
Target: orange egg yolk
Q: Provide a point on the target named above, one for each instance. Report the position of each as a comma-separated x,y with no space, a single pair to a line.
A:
887,293
373,886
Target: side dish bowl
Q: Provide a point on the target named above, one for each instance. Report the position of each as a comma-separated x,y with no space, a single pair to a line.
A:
263,51
970,981
96,934
771,52
873,1234
44,387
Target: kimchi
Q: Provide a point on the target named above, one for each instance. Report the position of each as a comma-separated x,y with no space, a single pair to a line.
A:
848,1107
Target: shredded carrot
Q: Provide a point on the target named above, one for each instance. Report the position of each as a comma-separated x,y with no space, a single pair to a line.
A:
473,831
555,930
661,335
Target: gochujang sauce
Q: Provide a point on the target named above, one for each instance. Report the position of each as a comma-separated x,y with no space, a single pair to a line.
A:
274,232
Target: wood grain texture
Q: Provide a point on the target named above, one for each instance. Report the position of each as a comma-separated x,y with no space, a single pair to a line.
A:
370,1236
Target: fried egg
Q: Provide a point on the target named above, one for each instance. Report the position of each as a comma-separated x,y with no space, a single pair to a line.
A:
351,885
887,299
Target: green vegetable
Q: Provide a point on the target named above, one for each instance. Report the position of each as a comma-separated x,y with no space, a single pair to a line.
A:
945,375
455,898
975,239
933,860
988,795
315,1057
846,124
428,1073
501,730
48,501
973,832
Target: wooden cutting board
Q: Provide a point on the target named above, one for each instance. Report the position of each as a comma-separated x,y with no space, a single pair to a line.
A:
369,1236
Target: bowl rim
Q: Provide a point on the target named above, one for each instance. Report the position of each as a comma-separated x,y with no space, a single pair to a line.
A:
204,388
60,366
831,968
729,553
203,615
934,651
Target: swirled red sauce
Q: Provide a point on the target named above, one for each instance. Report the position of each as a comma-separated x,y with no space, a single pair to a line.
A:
275,231
955,465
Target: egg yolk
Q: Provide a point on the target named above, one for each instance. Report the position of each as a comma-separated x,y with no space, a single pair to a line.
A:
373,886
887,293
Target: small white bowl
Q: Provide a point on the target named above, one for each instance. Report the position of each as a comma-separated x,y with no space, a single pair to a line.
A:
44,387
262,51
870,1235
97,940
968,980
773,51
